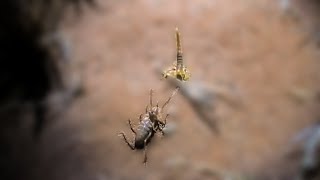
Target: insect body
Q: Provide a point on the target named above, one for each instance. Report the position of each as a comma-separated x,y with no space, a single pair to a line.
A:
178,70
150,123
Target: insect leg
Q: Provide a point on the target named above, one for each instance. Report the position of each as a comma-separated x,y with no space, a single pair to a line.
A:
130,124
169,72
174,92
126,140
145,149
165,119
163,124
151,93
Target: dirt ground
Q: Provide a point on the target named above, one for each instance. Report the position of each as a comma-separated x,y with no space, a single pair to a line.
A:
262,53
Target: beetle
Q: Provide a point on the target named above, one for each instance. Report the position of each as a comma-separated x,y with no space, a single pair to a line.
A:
150,123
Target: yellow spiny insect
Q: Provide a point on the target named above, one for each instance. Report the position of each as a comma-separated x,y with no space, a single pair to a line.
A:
178,70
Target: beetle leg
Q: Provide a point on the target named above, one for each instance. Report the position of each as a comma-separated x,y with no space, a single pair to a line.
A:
129,121
131,145
145,149
165,120
174,92
151,93
163,124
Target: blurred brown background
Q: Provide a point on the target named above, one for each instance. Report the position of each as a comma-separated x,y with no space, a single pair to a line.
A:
254,64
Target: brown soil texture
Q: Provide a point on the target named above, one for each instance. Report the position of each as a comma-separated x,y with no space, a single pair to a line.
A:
266,55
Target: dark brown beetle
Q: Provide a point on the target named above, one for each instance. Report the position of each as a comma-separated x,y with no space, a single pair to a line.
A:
150,123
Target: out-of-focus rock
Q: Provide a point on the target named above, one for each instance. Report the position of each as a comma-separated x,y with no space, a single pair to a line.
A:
307,146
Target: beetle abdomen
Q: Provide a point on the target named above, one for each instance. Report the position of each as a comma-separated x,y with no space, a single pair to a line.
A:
143,131
139,143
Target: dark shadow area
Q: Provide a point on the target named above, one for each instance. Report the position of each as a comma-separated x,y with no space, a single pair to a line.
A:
29,72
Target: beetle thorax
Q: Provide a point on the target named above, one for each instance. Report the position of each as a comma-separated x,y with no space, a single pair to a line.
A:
146,123
155,113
